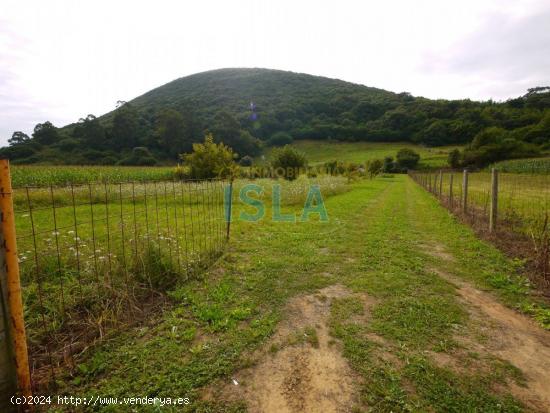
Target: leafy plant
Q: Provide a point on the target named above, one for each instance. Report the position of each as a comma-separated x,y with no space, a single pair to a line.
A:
407,158
209,160
288,162
374,167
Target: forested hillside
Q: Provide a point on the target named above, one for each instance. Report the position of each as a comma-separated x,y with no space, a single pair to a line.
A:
251,108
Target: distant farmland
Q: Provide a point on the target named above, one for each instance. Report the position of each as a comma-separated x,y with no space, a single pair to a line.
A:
359,152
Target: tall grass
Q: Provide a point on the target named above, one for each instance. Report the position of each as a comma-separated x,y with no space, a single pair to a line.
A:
524,166
39,175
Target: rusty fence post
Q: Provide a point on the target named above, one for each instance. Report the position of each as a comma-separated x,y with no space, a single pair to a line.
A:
12,283
494,200
8,379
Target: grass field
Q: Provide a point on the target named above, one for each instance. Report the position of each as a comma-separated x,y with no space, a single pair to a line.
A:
373,309
89,251
318,152
523,199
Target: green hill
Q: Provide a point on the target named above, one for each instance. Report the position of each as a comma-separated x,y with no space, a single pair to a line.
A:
251,109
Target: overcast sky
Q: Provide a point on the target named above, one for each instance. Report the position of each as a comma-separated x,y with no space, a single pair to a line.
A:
61,60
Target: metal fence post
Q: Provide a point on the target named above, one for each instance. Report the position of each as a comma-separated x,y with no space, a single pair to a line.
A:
494,200
465,191
10,273
440,184
229,203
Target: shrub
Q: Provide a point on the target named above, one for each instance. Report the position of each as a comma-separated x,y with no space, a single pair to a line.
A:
140,156
374,167
288,162
388,165
407,159
280,139
209,160
334,167
496,144
454,158
181,172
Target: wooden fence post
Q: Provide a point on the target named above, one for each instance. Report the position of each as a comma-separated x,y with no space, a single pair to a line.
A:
8,378
441,184
10,276
494,200
451,200
465,191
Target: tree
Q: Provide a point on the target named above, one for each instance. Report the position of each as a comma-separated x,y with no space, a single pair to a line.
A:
209,160
139,156
125,128
247,144
45,133
91,132
280,139
407,158
454,158
388,165
174,135
288,162
374,168
18,137
495,144
225,128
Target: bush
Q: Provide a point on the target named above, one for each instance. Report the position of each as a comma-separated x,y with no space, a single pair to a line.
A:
140,156
454,158
209,160
374,167
388,165
407,159
181,172
334,168
246,161
496,144
280,139
288,162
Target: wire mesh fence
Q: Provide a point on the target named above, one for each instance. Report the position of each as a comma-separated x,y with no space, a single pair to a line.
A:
96,256
503,203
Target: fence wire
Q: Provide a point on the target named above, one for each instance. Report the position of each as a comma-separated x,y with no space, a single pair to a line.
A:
95,256
516,211
523,200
